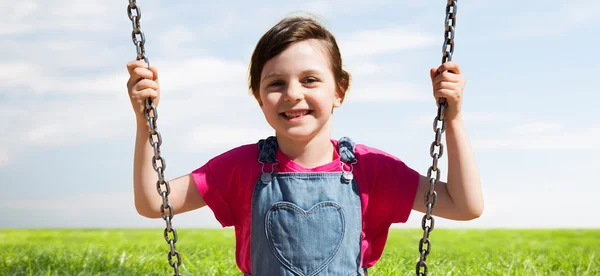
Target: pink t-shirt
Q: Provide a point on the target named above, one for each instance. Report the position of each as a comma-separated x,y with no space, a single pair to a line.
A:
387,190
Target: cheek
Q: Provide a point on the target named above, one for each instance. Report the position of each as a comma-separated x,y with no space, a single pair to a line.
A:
269,102
326,99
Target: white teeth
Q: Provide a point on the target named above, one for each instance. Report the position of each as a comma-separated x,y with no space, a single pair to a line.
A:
295,113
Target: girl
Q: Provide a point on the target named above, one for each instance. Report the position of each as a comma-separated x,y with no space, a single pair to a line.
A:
301,202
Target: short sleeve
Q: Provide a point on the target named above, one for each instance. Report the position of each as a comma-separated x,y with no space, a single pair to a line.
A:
403,182
394,187
212,183
225,183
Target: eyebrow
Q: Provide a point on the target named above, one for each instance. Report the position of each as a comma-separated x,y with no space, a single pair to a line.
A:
269,75
275,73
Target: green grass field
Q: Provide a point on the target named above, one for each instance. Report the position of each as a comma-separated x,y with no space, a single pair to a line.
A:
211,252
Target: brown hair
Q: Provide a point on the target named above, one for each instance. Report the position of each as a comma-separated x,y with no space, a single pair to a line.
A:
288,31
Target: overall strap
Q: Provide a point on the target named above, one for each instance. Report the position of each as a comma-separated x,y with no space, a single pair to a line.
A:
346,149
268,150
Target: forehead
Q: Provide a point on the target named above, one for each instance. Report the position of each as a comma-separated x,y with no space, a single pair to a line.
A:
299,56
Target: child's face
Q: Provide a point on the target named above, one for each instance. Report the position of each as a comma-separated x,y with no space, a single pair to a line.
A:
298,91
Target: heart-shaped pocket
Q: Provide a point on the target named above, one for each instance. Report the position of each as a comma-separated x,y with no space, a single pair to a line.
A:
305,241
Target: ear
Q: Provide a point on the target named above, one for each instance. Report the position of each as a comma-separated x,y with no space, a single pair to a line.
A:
257,98
339,98
337,102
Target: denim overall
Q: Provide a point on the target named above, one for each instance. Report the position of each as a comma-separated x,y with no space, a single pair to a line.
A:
306,223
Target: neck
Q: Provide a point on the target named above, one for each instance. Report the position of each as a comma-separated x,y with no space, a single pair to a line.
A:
309,153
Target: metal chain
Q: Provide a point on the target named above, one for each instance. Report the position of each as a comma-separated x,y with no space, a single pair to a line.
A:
158,162
434,173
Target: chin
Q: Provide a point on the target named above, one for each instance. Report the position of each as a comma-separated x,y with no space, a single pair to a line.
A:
297,134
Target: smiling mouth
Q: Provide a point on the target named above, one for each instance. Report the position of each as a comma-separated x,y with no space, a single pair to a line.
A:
295,114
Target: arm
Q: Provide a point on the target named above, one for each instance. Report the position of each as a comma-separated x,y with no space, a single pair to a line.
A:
461,197
143,83
184,196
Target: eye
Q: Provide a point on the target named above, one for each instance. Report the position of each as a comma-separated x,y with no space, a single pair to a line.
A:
309,80
276,83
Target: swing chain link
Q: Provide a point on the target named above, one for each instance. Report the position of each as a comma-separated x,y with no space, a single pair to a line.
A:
434,173
158,162
137,30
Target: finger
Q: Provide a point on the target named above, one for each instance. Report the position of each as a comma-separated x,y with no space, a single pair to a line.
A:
446,85
144,94
135,64
447,77
445,93
433,72
145,84
142,73
450,66
154,71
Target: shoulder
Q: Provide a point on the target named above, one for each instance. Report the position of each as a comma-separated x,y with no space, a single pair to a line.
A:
389,184
376,156
236,159
380,166
239,154
219,181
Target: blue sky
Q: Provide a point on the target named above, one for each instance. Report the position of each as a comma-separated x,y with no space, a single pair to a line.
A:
68,131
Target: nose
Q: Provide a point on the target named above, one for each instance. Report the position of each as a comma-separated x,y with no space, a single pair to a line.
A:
293,93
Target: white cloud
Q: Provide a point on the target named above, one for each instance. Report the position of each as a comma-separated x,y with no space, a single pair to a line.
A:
512,131
70,122
372,68
211,137
532,22
16,73
64,122
84,106
34,16
72,207
480,117
92,209
60,91
198,72
581,11
542,137
535,128
54,56
489,117
510,199
58,68
4,158
223,76
13,12
43,80
344,7
176,42
365,43
367,68
71,201
388,91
